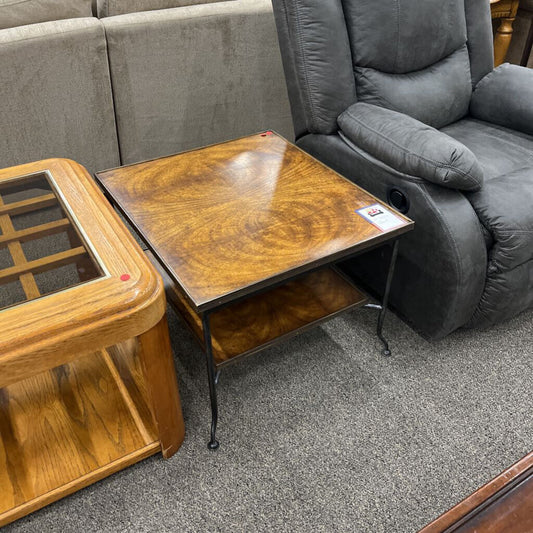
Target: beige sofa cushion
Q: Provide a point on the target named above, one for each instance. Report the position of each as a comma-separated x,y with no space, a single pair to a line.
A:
55,94
229,83
109,8
21,12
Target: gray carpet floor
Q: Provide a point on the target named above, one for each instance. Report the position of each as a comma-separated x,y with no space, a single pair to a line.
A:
322,433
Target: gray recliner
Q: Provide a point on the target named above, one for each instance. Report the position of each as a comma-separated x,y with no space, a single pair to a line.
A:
401,97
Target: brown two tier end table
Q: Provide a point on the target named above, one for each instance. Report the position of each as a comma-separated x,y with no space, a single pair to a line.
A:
87,380
248,233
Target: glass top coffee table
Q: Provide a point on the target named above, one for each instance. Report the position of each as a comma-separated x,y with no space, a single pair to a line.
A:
248,233
87,379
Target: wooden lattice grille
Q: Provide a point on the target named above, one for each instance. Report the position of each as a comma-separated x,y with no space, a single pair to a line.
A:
41,249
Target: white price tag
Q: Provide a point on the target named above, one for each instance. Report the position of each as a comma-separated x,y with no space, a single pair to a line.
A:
380,216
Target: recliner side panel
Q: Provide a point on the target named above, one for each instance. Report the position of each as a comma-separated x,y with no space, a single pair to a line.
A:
440,274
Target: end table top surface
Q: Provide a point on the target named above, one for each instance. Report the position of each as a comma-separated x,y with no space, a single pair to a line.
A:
231,218
64,229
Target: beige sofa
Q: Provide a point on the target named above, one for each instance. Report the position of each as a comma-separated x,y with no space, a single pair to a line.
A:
91,81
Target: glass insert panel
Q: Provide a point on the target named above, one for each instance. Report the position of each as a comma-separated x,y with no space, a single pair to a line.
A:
42,251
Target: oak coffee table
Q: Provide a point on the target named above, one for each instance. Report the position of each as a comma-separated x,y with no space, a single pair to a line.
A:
248,233
87,380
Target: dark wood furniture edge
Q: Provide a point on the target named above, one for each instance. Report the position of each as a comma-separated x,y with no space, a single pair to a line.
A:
495,489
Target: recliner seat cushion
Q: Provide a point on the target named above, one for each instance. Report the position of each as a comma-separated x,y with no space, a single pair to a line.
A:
499,150
21,12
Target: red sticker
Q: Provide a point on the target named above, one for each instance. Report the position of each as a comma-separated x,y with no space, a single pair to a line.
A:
125,277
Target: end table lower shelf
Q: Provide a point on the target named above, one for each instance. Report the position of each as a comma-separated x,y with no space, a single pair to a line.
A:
250,325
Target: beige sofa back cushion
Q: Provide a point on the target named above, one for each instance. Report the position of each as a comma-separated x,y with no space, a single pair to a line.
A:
55,94
229,83
21,12
109,8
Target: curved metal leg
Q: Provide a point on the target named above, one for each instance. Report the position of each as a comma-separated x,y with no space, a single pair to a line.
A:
213,444
383,312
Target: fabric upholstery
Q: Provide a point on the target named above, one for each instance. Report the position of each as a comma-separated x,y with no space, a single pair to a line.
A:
499,150
411,147
442,281
21,12
480,38
437,95
510,221
299,119
228,84
506,294
410,37
108,8
55,86
505,97
504,208
440,273
319,53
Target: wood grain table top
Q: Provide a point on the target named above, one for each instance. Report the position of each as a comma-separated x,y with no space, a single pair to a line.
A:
122,297
232,218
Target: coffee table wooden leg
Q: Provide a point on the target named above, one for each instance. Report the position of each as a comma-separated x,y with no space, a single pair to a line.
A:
160,373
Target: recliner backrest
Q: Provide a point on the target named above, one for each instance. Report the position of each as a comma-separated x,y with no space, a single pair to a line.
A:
419,58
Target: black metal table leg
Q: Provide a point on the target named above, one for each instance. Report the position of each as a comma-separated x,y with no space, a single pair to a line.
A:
213,444
383,311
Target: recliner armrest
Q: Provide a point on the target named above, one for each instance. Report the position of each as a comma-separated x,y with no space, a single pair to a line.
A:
411,147
505,97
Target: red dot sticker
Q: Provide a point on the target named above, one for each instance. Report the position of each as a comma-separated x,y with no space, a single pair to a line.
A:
125,277
266,133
